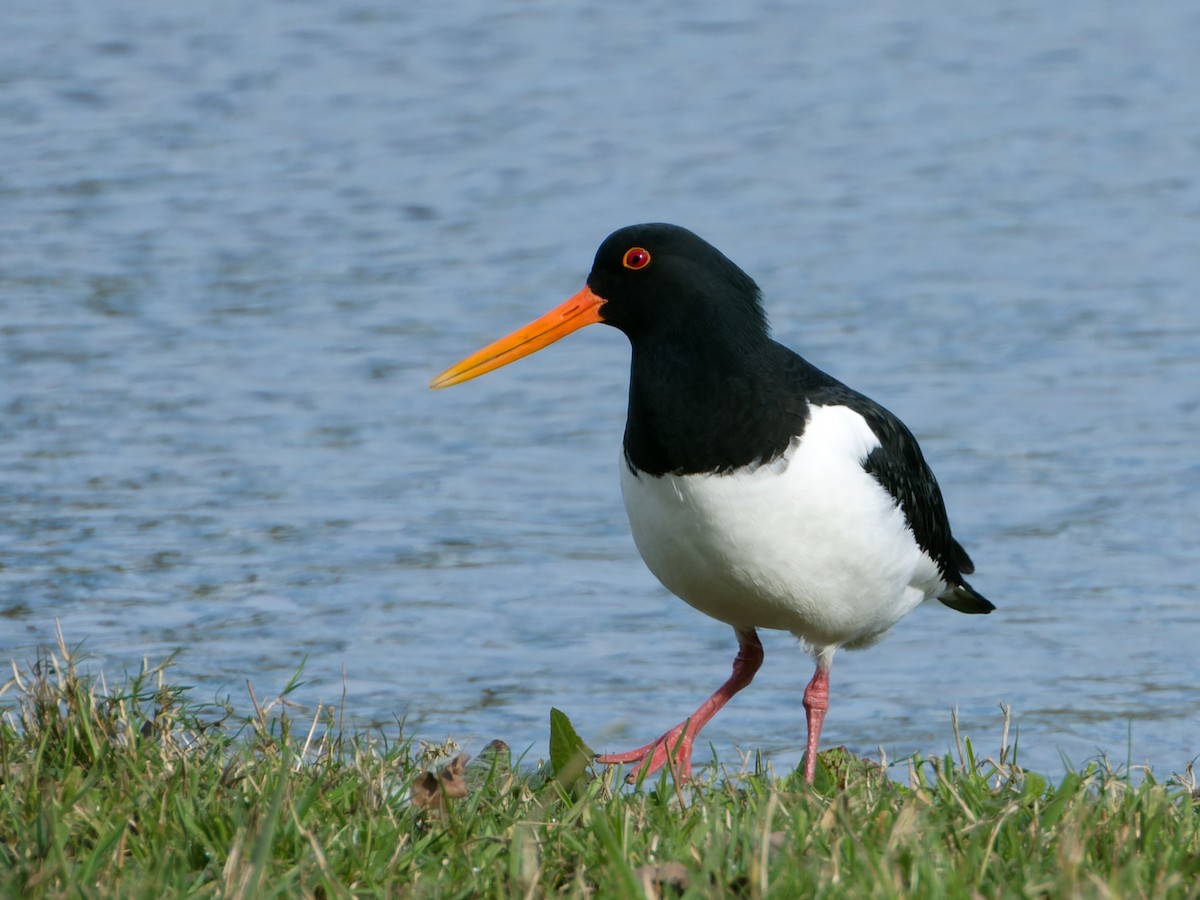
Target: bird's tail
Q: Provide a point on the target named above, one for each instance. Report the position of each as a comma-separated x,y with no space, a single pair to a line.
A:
965,599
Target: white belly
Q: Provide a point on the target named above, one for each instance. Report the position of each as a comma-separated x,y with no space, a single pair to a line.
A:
815,547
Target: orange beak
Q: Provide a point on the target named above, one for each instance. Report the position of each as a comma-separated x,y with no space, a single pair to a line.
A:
582,309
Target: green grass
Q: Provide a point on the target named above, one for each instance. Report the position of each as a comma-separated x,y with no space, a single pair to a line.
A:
138,791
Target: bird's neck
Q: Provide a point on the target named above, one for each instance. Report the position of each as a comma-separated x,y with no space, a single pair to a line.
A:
708,409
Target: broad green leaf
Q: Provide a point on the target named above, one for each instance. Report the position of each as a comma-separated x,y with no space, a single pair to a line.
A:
569,755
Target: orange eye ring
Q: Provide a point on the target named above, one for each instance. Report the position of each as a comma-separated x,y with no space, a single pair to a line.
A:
636,258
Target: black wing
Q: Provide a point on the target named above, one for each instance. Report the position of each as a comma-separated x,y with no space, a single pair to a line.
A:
899,466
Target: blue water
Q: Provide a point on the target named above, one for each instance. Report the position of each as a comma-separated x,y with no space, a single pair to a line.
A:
237,240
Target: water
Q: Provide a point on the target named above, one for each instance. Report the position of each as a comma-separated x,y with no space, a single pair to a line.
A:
235,243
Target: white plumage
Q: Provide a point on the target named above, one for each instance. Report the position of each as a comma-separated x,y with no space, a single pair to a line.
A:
810,544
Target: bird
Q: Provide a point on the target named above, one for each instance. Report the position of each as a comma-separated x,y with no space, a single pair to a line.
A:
760,490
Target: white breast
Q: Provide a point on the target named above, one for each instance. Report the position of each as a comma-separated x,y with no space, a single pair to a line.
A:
810,544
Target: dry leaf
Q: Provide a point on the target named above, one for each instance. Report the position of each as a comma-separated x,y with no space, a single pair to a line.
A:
434,789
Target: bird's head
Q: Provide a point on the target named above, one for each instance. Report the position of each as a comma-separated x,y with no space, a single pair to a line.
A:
653,282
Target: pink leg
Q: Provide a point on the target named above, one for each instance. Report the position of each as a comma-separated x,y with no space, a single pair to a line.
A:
816,702
675,747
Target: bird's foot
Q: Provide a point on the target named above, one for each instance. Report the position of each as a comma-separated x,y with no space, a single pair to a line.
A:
673,749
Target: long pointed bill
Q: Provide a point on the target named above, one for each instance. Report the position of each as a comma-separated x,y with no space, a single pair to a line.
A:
582,309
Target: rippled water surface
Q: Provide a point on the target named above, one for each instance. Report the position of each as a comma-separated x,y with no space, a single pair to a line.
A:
237,240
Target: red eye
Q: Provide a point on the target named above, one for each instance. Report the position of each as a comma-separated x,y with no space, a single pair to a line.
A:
636,258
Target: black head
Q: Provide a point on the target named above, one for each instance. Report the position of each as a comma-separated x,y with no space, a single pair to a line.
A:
660,279
660,284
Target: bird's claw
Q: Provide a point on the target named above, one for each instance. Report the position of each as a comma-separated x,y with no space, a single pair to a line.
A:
673,749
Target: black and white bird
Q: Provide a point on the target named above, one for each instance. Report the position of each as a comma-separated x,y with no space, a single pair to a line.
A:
760,490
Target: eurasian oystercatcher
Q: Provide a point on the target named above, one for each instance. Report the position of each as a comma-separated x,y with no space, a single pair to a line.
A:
760,490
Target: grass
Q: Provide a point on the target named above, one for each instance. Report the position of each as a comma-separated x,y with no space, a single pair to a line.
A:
138,791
